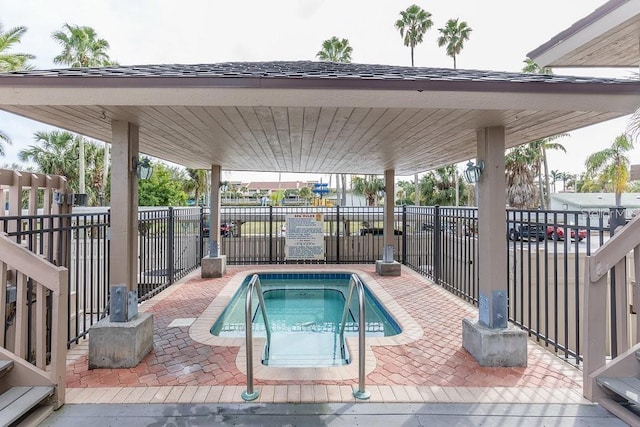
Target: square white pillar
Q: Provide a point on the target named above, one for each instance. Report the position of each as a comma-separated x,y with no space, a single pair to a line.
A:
489,338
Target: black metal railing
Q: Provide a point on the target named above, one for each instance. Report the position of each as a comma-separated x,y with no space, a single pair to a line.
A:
78,242
256,235
546,251
170,246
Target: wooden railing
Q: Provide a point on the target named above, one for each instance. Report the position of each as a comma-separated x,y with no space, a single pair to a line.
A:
609,262
40,287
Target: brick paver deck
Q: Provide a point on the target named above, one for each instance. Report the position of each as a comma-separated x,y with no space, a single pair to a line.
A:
428,367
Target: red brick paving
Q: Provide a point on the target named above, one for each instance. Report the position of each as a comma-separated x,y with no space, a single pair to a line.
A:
436,359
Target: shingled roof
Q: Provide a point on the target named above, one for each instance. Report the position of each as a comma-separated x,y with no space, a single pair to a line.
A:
324,74
319,117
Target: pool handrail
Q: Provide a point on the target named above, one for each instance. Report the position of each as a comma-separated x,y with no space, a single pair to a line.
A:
254,283
355,281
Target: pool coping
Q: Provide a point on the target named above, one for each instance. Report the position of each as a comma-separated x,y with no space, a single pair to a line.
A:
200,332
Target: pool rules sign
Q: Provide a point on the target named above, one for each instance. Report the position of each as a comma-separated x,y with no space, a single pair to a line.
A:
305,237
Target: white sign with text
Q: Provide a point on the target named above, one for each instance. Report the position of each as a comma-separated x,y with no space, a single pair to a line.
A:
305,237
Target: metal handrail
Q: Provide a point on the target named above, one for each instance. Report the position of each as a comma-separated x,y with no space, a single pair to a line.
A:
250,393
355,281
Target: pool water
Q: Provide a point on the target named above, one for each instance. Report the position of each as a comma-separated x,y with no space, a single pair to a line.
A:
304,311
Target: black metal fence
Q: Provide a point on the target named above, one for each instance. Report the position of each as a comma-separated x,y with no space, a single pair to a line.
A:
545,263
256,235
546,251
169,248
79,242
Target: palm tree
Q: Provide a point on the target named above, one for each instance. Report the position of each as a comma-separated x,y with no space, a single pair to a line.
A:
556,176
438,187
453,36
612,165
12,61
335,50
195,183
56,154
521,165
81,47
543,145
368,187
413,24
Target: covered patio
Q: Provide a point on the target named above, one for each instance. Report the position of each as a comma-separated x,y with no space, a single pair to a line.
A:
323,118
428,366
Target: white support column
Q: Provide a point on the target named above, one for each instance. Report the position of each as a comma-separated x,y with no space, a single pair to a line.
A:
492,271
214,218
389,204
391,267
124,338
489,338
124,206
214,265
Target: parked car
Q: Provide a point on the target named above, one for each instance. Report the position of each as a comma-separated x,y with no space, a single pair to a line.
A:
227,229
377,231
526,231
559,233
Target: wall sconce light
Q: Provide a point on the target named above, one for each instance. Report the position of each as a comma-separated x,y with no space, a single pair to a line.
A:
473,171
142,167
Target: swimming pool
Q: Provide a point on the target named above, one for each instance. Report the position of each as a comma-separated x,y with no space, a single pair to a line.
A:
305,312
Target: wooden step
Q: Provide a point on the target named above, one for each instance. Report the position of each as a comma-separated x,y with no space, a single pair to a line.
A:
627,388
18,401
5,366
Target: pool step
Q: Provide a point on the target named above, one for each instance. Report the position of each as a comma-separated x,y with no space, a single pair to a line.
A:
291,349
306,362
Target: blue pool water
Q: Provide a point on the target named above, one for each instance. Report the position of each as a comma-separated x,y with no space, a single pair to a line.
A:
304,311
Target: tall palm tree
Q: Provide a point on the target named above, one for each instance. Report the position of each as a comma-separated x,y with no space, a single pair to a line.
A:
453,36
195,183
81,47
56,153
556,176
546,143
12,61
612,164
413,24
521,165
368,187
335,50
543,145
439,187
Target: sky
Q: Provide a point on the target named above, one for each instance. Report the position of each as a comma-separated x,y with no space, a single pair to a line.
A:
143,32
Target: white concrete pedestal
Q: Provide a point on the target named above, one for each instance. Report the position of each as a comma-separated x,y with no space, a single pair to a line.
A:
495,347
388,268
213,267
120,344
